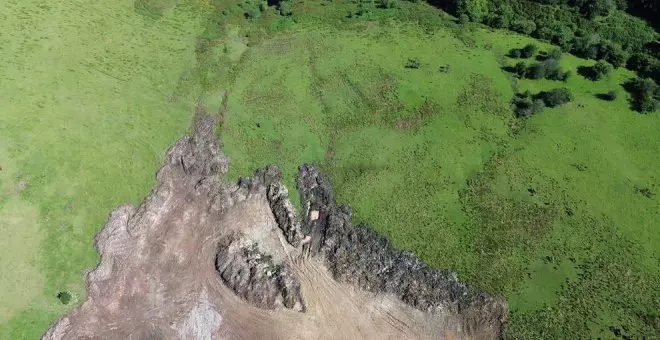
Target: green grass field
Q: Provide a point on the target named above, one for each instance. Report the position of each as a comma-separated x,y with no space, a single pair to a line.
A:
436,161
546,211
86,117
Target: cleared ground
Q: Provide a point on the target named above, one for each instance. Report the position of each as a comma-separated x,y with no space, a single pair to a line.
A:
157,277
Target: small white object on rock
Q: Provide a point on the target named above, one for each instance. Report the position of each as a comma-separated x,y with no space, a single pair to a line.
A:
314,215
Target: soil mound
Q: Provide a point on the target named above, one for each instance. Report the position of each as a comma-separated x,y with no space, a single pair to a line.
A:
202,258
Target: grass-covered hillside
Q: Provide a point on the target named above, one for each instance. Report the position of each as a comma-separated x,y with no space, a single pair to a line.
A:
87,112
408,111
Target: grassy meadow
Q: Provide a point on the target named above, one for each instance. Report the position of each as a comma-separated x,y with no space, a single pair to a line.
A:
87,113
547,211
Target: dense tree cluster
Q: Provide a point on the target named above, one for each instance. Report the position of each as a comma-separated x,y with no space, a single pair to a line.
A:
525,104
547,68
598,71
526,52
616,37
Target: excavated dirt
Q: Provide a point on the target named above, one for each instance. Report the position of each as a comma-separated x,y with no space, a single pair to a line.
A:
201,258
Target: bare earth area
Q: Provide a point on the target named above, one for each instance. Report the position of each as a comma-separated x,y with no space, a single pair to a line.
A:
201,258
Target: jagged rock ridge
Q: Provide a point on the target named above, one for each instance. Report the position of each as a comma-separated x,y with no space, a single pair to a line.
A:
202,258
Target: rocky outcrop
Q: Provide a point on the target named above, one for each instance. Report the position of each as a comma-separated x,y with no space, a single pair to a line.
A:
196,257
256,277
362,257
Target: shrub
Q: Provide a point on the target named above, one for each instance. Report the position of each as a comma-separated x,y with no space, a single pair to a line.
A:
64,297
602,69
609,96
252,14
552,69
388,4
525,106
285,7
520,70
413,63
463,19
555,97
536,71
523,26
528,51
555,54
514,53
645,94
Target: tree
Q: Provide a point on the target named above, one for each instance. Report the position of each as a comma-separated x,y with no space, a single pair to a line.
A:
252,14
463,19
555,54
285,7
528,51
475,9
594,8
514,53
536,71
64,297
523,26
645,94
602,69
555,97
388,4
609,96
552,69
520,70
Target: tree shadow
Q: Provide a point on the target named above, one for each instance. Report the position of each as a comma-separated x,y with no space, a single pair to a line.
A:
605,96
588,72
509,69
543,56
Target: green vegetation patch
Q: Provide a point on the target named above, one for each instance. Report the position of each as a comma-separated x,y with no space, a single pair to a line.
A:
414,127
87,114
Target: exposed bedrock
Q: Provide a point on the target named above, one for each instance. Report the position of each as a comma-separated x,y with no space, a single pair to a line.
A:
256,276
360,256
203,258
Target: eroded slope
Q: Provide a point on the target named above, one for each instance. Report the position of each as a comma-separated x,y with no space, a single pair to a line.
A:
201,258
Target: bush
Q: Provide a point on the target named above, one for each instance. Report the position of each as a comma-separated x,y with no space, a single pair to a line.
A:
285,7
463,19
520,70
64,297
645,94
525,106
413,63
536,71
555,54
523,26
602,69
515,53
528,51
555,97
598,71
552,69
252,14
388,4
609,96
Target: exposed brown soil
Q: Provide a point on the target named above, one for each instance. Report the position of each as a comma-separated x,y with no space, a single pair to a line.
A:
157,277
